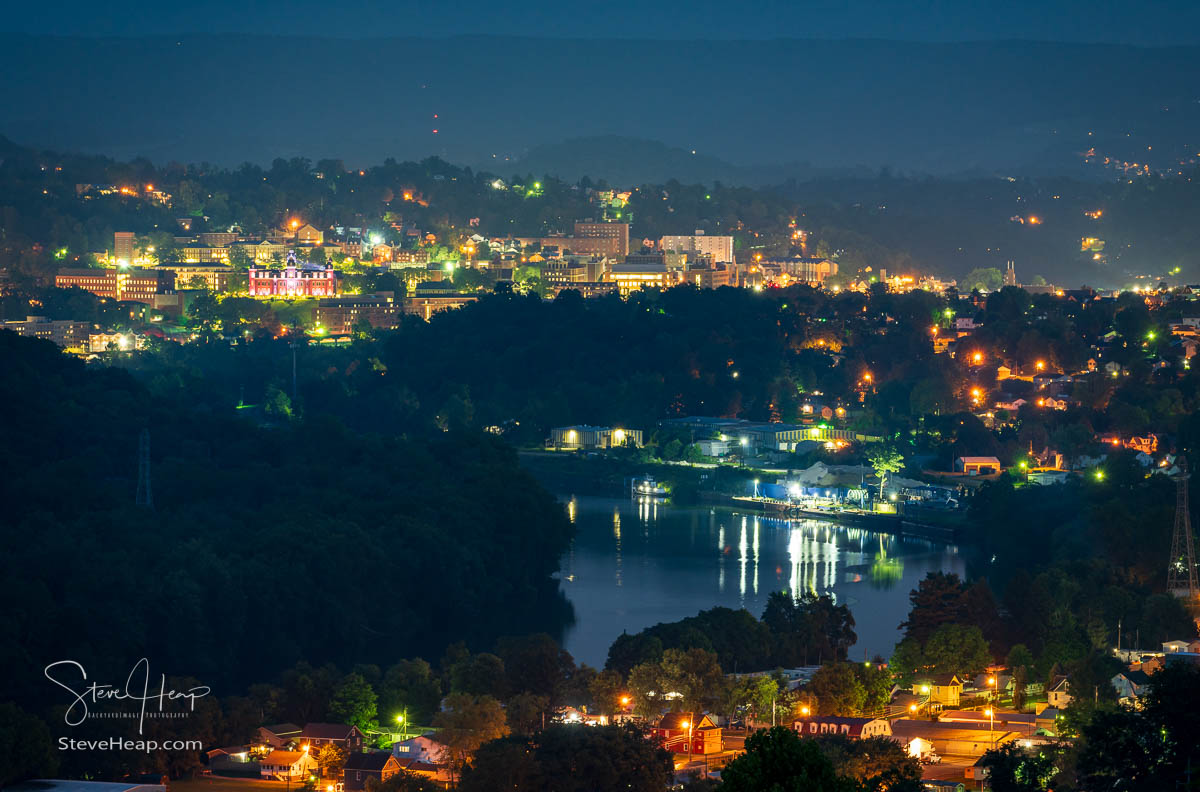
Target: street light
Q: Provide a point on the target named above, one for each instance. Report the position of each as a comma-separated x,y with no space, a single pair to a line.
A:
991,725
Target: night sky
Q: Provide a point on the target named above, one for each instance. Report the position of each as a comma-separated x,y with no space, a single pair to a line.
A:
1139,22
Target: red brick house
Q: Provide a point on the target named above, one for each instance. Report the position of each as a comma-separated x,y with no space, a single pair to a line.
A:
675,728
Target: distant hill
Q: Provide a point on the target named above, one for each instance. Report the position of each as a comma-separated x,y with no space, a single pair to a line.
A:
745,107
624,160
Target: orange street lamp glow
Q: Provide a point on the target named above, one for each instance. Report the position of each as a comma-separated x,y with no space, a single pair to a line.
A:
977,358
805,710
295,224
624,701
912,707
1041,365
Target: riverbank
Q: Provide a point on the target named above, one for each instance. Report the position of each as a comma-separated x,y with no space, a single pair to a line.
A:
690,485
895,524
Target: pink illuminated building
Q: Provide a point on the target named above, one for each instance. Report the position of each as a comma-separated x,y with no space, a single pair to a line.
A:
294,280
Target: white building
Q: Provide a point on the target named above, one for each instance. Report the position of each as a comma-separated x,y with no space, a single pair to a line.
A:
421,749
282,765
719,247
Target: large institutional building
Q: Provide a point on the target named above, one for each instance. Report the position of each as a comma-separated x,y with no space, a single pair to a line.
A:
137,285
719,247
294,280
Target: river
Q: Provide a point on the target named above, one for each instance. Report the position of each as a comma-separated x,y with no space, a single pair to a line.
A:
634,564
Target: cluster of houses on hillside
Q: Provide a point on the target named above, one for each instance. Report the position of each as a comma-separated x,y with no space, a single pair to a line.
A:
289,752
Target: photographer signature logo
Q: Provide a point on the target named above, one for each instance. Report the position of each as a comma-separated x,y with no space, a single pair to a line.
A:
144,698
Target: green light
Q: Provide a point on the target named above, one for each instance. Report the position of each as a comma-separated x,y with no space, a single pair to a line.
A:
537,185
1099,475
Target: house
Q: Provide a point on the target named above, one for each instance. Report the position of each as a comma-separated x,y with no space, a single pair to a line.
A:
1130,685
581,437
421,748
943,690
339,734
287,765
1058,695
308,235
361,767
676,728
854,728
277,735
977,466
1170,647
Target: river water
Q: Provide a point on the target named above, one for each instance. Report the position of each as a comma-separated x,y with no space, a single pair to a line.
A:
634,564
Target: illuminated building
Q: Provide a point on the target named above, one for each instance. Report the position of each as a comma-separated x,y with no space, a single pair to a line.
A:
709,276
719,247
123,246
631,277
214,276
138,285
65,333
560,272
605,238
430,298
582,437
812,270
294,280
340,315
307,235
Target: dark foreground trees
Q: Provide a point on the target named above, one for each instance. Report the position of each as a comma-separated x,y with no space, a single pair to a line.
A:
571,758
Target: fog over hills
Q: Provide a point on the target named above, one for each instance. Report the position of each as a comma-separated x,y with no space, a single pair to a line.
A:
748,108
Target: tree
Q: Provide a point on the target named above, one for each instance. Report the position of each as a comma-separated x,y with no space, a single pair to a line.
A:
1012,768
331,760
779,760
838,689
984,279
606,690
566,758
938,599
526,713
756,697
479,675
695,674
465,723
628,651
884,460
876,764
955,649
354,702
25,747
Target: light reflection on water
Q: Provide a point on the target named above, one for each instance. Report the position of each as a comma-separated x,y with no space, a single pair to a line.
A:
685,560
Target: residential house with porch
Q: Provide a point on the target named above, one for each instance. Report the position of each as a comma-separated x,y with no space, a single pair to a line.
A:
940,691
287,765
677,728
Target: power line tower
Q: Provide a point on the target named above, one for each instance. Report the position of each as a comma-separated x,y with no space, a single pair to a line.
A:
145,496
1181,569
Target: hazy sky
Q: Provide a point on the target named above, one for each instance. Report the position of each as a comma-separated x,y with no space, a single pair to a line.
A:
1141,22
